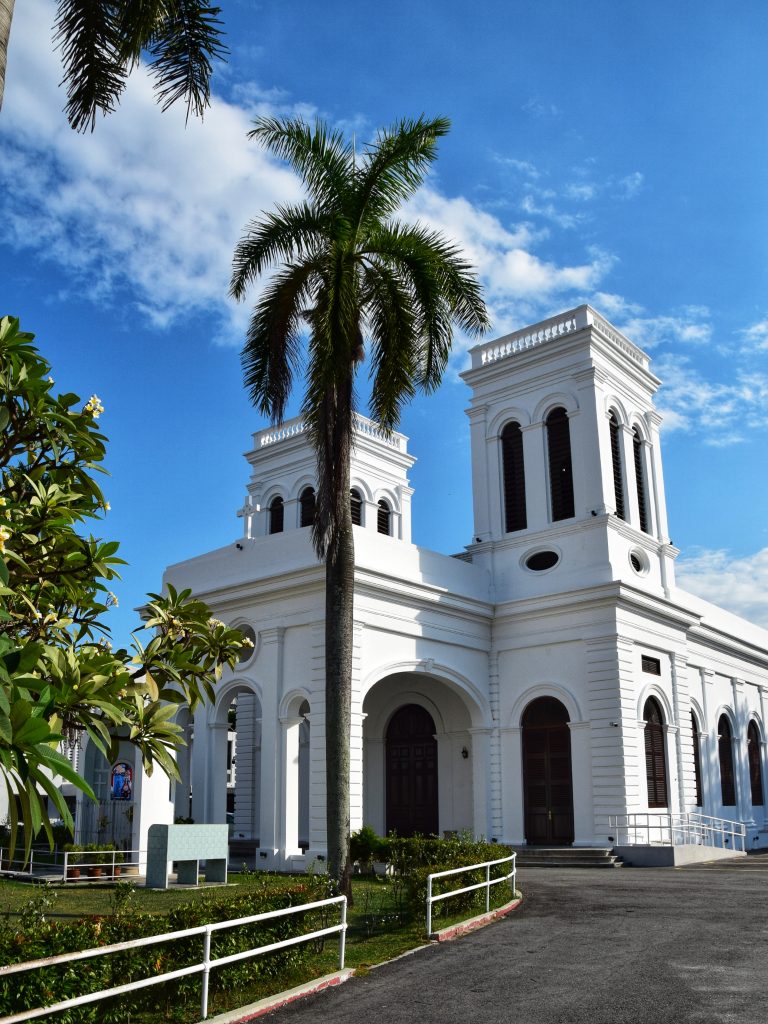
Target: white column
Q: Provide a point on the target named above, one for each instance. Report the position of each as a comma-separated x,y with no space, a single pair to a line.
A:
710,754
480,773
681,705
271,811
741,765
536,476
216,763
512,794
495,809
481,447
290,802
581,773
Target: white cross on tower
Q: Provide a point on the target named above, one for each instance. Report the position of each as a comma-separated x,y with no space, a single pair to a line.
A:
246,513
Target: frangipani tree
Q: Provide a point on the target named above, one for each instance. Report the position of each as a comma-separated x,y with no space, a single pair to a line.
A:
59,677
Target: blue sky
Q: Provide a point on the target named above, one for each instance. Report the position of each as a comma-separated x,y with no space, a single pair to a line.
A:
600,152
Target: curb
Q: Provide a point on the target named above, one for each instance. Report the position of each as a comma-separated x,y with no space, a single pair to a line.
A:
309,988
472,923
269,1003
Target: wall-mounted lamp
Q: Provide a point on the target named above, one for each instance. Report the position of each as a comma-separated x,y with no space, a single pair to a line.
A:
263,854
464,753
239,546
320,856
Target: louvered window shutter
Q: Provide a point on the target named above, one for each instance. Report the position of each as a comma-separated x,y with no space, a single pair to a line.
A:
725,753
307,502
655,760
560,467
356,504
697,760
514,478
642,490
755,765
618,476
276,510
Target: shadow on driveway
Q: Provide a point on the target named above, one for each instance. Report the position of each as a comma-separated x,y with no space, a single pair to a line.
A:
622,947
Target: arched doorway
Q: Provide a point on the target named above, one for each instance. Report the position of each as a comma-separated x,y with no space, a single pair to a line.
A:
411,780
547,777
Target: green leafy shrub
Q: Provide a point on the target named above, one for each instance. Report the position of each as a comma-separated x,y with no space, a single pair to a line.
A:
365,846
177,1000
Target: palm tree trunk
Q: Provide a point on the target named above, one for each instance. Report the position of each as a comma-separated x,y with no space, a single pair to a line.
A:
6,17
339,602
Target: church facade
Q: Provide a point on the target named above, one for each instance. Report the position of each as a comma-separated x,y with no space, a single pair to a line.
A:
531,688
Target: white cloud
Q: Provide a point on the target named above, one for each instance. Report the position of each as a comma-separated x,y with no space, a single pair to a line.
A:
629,186
757,336
738,584
690,326
148,212
722,414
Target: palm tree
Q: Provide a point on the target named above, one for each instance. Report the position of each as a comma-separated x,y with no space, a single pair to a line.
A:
347,277
102,40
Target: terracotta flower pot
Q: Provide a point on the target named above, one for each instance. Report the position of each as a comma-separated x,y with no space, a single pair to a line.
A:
73,872
94,872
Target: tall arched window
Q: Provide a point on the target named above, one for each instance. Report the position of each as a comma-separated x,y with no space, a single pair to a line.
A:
642,487
356,504
514,478
697,760
618,473
655,759
755,764
307,505
276,509
725,755
383,517
560,468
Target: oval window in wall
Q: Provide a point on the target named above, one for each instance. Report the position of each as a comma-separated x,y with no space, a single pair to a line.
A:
541,560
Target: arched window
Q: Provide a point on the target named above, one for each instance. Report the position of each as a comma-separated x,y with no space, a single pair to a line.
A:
697,760
560,469
725,755
642,488
383,517
655,760
618,474
514,478
276,515
307,506
755,764
356,503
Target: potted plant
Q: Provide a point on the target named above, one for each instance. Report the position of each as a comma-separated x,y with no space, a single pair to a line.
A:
74,856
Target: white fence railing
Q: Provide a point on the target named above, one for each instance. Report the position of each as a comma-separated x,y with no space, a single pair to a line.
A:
204,967
488,864
71,865
649,829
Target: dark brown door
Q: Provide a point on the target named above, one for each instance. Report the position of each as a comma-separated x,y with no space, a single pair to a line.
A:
547,780
412,772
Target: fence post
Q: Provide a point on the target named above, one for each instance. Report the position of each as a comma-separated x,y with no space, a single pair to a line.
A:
487,888
343,934
31,860
206,971
429,905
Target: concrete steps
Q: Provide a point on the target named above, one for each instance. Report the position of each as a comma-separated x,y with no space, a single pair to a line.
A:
566,857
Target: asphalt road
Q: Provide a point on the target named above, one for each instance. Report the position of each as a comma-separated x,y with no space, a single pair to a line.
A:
623,946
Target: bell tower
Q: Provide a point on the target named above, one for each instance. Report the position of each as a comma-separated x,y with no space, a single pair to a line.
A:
567,478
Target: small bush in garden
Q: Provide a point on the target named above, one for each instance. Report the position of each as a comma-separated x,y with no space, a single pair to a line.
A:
37,937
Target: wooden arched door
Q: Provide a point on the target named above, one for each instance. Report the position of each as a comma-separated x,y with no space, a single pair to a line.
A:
412,804
547,777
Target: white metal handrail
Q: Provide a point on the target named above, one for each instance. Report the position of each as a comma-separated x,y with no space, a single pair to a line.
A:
204,967
488,864
689,829
91,860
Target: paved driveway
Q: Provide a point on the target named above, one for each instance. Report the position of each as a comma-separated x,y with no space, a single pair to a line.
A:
621,947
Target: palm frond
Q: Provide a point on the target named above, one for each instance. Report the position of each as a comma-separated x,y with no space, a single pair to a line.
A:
395,344
272,351
320,156
137,23
94,70
395,166
289,232
183,46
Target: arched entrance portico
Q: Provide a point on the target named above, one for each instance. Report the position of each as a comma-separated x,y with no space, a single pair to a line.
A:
424,756
547,774
411,767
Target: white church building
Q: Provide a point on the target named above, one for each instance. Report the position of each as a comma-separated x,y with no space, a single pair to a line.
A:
550,676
